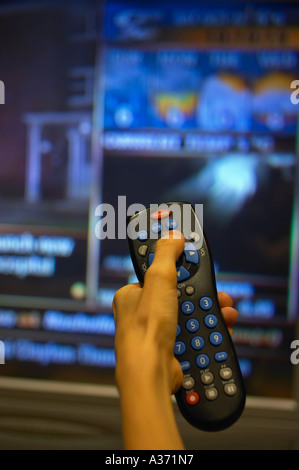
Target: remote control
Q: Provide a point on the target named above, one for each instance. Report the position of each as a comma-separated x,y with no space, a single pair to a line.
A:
212,396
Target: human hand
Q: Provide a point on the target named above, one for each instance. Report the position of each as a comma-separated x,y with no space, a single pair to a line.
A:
146,320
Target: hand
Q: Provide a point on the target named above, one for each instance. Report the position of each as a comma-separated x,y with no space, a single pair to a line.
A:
146,370
146,318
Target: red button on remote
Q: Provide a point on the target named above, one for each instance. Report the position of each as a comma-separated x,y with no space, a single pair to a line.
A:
192,398
160,214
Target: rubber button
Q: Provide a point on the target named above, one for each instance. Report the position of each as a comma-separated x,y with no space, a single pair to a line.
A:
187,307
182,274
205,303
179,348
191,254
202,361
156,227
197,343
171,224
185,365
160,214
230,389
151,258
192,325
221,356
216,338
142,235
142,250
211,321
192,398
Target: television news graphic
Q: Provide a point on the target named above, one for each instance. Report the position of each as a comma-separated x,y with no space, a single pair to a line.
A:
212,396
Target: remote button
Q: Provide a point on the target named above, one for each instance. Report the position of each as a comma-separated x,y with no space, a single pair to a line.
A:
191,254
188,383
195,237
151,258
190,290
220,356
205,303
171,224
230,389
179,348
182,274
160,214
226,373
192,398
192,325
178,330
178,293
197,343
142,250
211,393
142,235
216,338
210,321
187,307
185,365
207,378
156,227
202,361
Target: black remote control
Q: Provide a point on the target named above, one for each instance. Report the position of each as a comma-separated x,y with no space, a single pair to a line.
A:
212,396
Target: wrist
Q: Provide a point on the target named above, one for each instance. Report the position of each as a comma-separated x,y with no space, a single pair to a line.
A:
144,368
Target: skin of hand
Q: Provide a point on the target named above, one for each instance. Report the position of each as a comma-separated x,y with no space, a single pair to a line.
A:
147,373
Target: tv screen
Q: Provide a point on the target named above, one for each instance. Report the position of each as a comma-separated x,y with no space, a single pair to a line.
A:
146,102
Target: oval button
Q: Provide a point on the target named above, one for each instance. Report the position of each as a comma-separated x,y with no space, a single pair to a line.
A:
160,214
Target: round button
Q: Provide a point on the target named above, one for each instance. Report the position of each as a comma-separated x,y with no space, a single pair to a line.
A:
189,290
197,343
179,348
211,393
230,389
142,235
171,224
226,373
188,383
192,325
207,378
211,321
194,237
202,361
156,227
192,398
216,338
178,330
187,307
205,303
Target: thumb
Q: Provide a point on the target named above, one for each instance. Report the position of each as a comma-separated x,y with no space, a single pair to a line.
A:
162,271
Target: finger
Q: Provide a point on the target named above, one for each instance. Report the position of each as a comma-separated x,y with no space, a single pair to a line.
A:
162,272
230,315
225,300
